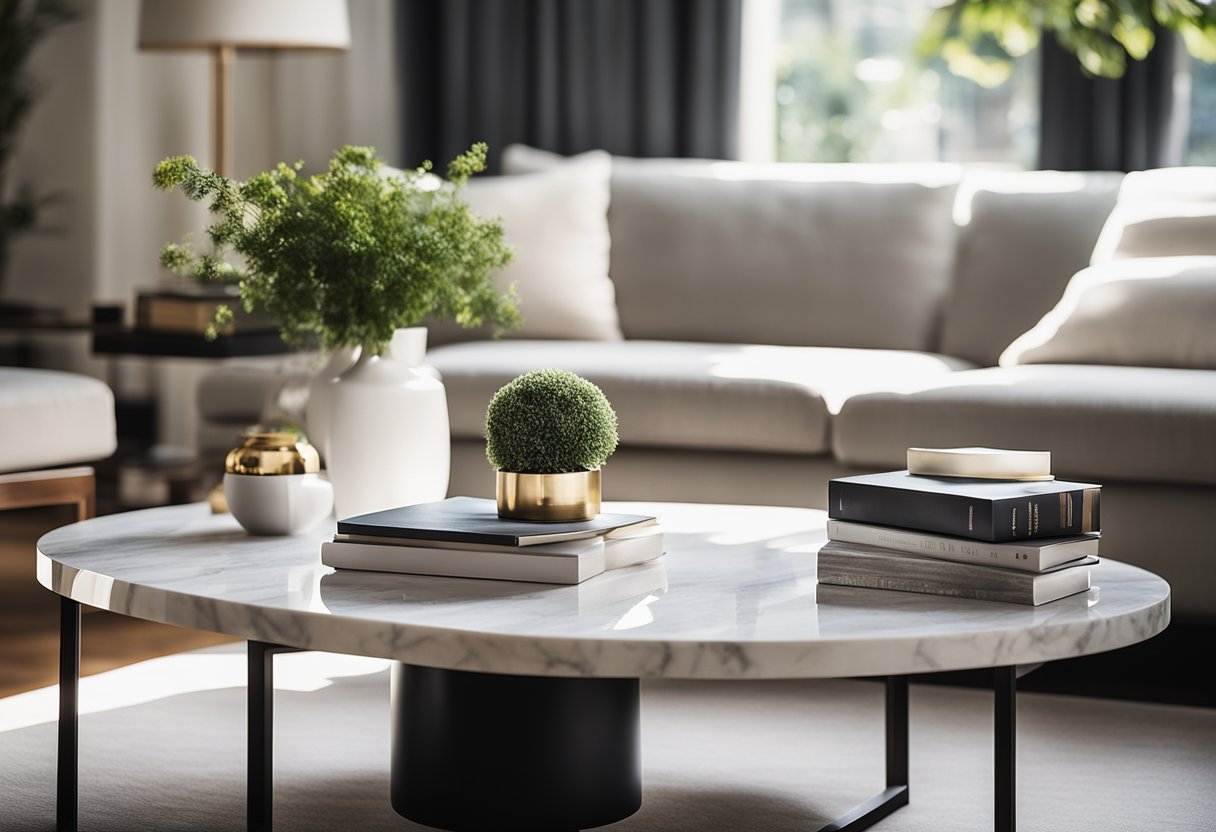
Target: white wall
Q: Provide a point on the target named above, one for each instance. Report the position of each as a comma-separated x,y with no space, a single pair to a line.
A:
109,113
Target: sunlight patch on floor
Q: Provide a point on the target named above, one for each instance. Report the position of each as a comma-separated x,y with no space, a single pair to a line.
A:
181,674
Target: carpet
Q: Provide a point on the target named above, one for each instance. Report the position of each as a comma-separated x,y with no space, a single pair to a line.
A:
162,748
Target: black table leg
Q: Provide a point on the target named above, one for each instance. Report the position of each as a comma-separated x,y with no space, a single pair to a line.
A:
68,764
260,750
1005,685
895,795
488,751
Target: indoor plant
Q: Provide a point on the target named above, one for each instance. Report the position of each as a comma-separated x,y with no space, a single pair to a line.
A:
23,25
344,259
548,432
980,38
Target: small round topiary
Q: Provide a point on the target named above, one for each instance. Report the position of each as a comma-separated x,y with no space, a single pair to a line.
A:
549,422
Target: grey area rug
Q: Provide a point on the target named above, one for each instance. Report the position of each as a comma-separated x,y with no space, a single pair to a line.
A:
163,749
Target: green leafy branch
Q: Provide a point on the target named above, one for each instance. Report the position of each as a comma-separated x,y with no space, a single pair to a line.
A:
345,257
979,39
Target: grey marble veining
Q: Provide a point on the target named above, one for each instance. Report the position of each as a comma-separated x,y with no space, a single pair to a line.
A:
734,597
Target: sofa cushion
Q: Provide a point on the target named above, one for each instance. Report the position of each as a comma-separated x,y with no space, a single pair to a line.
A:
1160,213
1117,423
51,418
1157,229
691,395
826,263
556,221
1152,312
1022,235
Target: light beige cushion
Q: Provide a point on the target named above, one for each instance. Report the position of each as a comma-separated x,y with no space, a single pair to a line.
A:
1157,229
557,223
792,254
1154,312
1022,236
1192,183
822,263
51,418
1132,424
691,395
1161,213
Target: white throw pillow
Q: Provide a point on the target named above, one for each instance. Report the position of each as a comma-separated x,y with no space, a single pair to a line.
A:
1166,212
1149,312
557,222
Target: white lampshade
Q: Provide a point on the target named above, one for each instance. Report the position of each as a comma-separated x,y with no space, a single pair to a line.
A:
246,24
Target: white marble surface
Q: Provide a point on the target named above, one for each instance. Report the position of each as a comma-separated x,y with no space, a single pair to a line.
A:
735,597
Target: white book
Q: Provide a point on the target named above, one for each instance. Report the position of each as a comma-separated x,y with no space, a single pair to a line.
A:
980,463
566,562
1032,556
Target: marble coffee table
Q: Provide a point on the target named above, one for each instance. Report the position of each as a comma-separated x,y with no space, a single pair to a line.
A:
516,705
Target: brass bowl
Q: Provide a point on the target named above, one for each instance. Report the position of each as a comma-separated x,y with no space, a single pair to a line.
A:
549,497
273,454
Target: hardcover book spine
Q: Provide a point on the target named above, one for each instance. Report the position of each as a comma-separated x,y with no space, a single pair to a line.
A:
928,588
951,514
1047,515
994,521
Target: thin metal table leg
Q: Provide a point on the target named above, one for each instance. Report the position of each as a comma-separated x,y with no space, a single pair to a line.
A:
260,750
1005,685
68,762
895,795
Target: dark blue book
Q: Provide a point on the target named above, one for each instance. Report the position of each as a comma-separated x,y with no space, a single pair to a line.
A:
476,520
997,511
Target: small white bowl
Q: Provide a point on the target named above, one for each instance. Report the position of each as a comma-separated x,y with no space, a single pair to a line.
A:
278,504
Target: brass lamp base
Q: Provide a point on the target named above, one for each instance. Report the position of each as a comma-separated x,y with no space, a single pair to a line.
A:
549,497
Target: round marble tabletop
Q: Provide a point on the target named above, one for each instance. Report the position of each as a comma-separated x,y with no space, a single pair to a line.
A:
735,597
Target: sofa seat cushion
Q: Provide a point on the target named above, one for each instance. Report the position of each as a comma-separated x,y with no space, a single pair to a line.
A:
692,395
1100,423
49,418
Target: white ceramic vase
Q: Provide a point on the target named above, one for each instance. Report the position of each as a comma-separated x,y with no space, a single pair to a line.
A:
320,397
389,443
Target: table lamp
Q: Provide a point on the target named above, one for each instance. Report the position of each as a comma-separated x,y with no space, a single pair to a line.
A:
223,26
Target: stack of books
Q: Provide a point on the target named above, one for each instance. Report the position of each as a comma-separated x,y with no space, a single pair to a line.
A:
463,537
1005,530
191,309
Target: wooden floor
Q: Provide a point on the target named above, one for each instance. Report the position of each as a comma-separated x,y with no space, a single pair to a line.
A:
29,616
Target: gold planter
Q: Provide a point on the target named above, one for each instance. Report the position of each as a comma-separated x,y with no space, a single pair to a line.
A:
549,497
273,454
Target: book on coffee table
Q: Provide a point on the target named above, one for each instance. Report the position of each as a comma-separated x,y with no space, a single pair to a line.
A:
980,463
1028,556
564,562
849,564
996,511
476,520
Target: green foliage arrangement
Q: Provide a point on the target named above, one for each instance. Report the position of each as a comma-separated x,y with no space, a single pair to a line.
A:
23,25
345,257
980,38
549,422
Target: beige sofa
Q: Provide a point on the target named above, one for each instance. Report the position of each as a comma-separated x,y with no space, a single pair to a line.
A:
786,324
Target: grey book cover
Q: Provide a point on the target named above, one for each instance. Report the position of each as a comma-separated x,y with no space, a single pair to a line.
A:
847,564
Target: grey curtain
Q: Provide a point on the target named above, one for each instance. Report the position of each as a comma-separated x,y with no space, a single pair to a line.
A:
1131,123
634,77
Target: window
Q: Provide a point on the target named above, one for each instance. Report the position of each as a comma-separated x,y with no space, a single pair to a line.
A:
851,88
1201,138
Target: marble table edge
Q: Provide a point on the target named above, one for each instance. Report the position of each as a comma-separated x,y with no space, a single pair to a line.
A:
577,656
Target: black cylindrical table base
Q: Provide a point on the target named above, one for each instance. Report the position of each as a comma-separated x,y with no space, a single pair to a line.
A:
478,751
